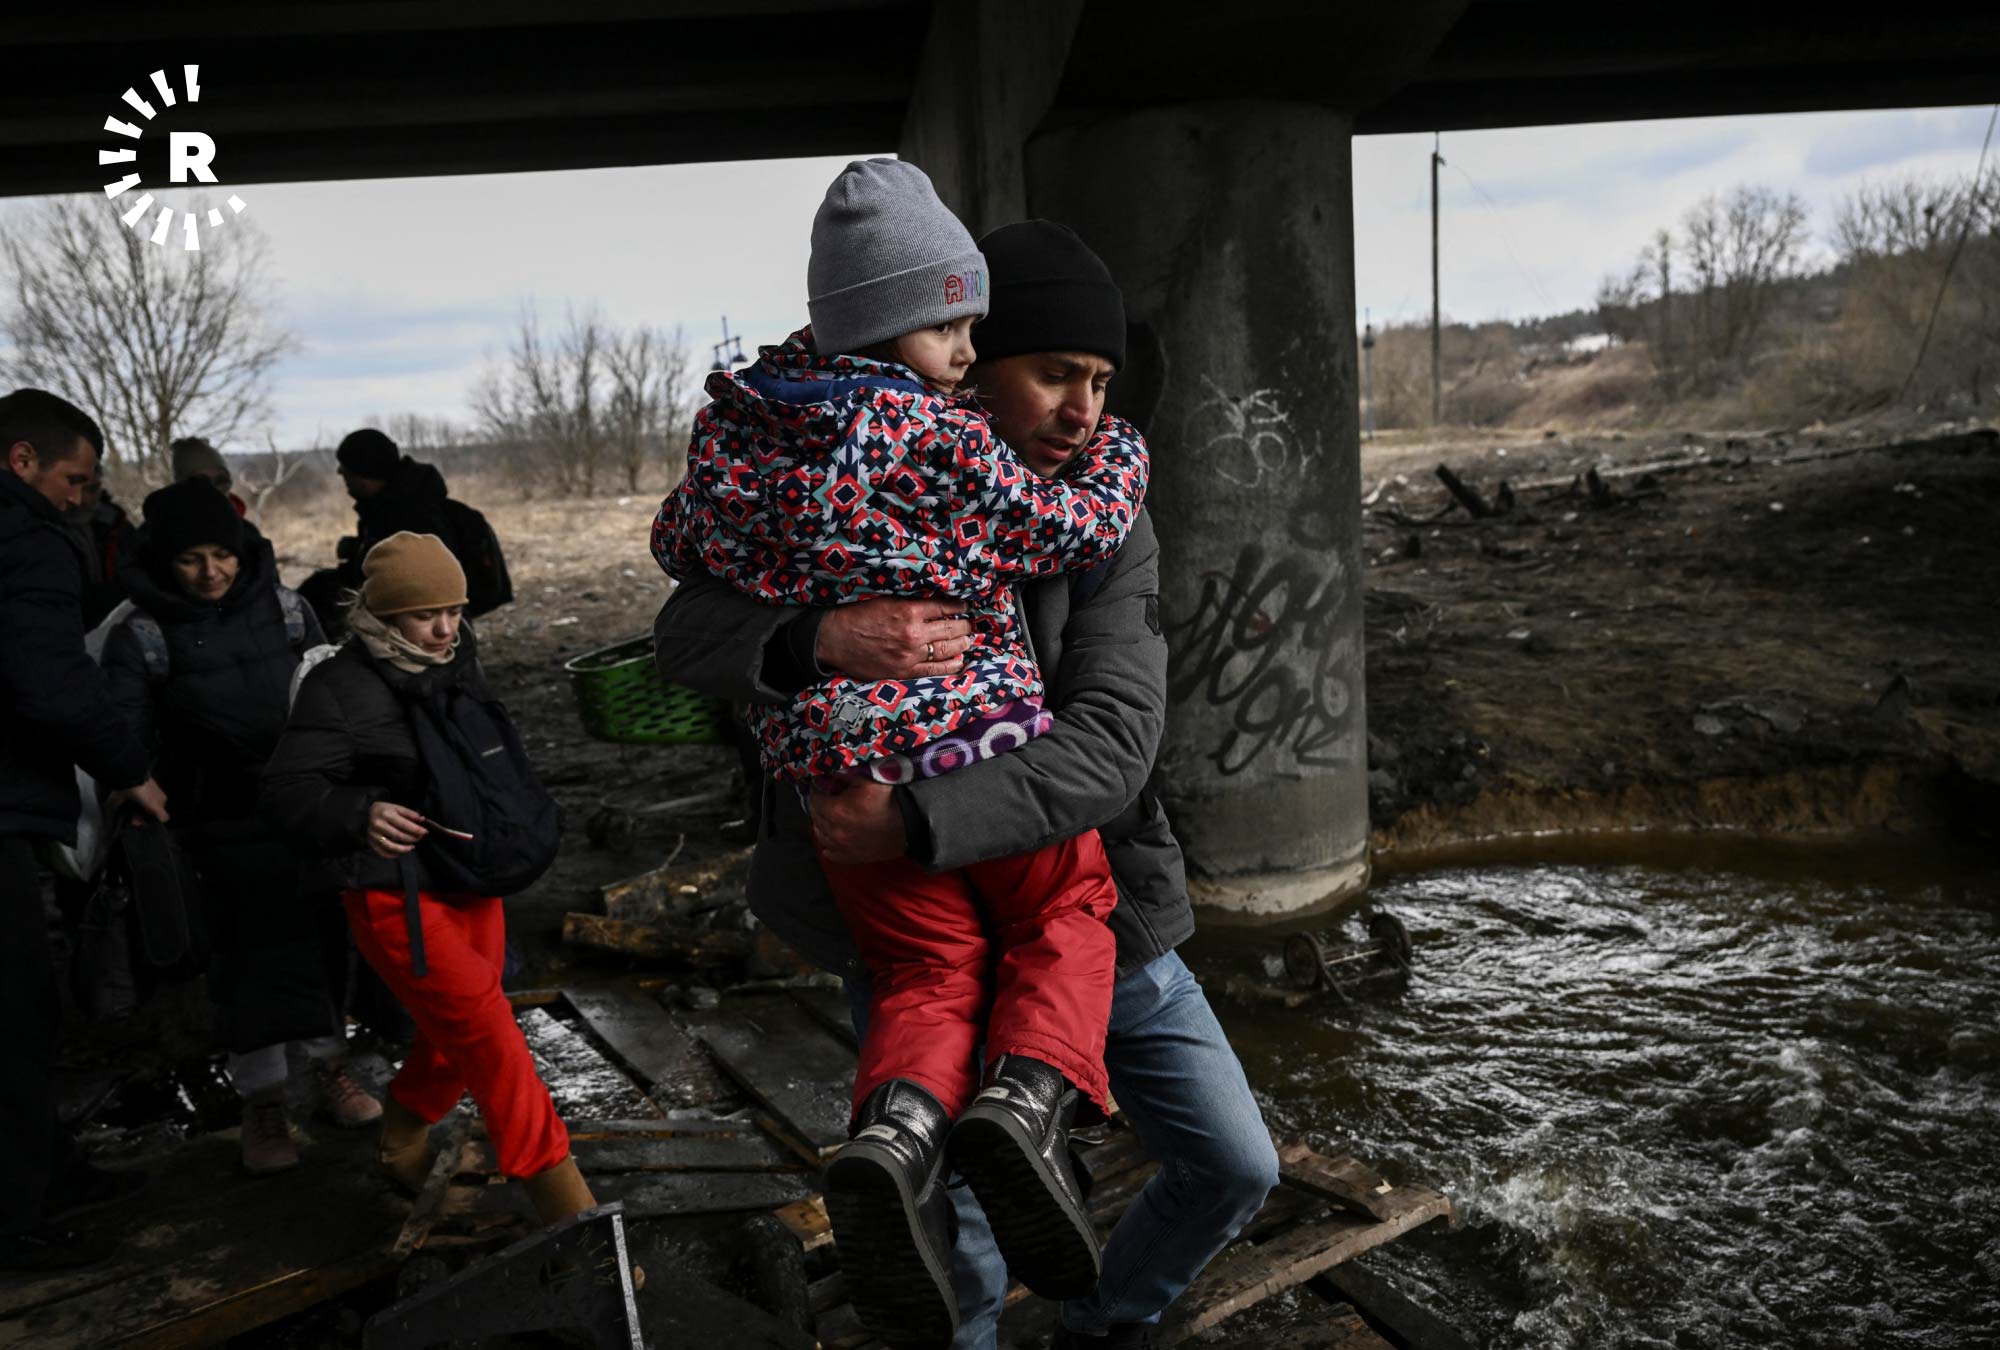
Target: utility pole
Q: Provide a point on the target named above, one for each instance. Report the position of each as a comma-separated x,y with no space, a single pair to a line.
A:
1437,372
1368,371
729,350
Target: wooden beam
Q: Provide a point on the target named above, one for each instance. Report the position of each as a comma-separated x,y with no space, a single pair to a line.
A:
786,1061
646,1041
692,946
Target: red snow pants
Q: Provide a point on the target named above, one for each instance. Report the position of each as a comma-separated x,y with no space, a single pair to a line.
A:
1013,953
467,1038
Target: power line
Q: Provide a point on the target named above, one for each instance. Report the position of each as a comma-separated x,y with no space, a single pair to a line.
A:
1951,263
1507,238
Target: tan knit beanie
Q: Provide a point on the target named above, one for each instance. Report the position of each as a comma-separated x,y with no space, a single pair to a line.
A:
410,571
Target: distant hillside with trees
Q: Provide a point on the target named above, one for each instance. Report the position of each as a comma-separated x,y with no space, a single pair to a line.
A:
1722,316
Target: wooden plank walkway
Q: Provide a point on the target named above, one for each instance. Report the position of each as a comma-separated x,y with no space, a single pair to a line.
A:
210,1253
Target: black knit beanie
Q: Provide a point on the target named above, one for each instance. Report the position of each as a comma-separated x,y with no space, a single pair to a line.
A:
1050,294
193,511
367,453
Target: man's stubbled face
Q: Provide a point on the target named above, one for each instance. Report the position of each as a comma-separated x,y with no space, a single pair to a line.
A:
1044,404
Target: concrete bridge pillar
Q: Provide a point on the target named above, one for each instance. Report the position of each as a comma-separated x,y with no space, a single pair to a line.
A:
1230,228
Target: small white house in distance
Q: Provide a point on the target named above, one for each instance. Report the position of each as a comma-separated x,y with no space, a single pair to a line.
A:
1590,344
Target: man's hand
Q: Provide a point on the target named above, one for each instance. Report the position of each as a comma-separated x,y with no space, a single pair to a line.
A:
857,822
147,797
394,830
887,639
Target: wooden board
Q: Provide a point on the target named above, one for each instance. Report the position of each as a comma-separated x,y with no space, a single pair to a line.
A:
1344,1330
1249,1273
690,946
667,891
1413,1324
1353,1186
646,1041
786,1061
808,1221
649,1195
750,1151
206,1252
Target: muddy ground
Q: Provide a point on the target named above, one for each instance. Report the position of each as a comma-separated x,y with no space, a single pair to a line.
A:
1791,631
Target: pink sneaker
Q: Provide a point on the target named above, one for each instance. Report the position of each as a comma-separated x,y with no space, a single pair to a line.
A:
345,1101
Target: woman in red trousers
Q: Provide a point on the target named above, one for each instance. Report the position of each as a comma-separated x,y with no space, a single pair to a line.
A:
346,783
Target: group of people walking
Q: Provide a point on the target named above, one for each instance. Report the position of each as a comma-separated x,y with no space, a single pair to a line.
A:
291,819
916,552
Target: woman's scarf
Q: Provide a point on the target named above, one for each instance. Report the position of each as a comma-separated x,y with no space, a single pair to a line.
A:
385,643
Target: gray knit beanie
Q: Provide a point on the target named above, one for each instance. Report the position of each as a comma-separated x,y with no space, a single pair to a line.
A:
193,455
888,258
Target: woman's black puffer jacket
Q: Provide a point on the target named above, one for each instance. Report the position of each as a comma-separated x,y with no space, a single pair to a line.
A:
211,720
348,746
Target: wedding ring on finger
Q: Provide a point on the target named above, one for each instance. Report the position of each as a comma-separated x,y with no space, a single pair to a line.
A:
930,651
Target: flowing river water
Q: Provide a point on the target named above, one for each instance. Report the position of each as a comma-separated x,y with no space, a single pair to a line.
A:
1732,1095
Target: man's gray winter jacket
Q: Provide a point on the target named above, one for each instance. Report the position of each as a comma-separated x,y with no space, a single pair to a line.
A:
1097,637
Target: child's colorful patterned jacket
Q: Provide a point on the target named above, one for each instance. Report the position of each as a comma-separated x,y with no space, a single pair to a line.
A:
814,480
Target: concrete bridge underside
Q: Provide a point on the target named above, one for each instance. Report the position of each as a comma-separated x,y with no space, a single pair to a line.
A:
1203,150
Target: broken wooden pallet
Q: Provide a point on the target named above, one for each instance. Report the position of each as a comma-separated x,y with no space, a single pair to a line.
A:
1305,1228
206,1252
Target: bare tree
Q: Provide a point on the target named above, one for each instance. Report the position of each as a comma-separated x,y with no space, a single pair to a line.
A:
1739,248
587,401
156,342
651,374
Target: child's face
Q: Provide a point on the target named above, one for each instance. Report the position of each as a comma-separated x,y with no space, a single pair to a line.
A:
941,354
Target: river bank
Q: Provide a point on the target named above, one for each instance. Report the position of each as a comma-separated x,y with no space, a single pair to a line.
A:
1786,634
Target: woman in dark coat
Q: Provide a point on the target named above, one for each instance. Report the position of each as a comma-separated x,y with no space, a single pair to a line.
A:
347,784
202,670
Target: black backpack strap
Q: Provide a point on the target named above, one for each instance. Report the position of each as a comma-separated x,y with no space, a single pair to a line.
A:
413,915
294,609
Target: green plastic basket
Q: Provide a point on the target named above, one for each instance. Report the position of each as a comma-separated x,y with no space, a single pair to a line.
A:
621,697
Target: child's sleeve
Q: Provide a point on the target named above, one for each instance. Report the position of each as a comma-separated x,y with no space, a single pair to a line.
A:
674,547
1016,523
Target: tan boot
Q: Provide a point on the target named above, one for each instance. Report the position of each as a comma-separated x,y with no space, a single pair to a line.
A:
559,1192
267,1136
345,1102
404,1152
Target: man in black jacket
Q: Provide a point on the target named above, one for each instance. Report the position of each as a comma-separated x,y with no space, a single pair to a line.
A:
1047,350
393,493
58,717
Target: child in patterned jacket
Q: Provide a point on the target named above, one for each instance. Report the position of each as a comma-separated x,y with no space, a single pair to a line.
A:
847,462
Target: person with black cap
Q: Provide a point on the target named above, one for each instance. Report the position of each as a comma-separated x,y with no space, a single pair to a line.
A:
58,718
1053,338
201,669
394,494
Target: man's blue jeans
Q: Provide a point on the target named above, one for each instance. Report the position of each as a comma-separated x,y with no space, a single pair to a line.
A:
1183,1089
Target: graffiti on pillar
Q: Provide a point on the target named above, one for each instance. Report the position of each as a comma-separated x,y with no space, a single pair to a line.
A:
1264,646
1249,441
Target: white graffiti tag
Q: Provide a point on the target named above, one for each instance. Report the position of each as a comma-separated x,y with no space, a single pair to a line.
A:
1250,440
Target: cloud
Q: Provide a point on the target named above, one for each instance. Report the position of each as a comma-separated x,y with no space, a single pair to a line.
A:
1892,140
401,290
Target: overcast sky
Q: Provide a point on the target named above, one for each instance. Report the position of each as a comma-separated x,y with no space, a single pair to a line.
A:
402,289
